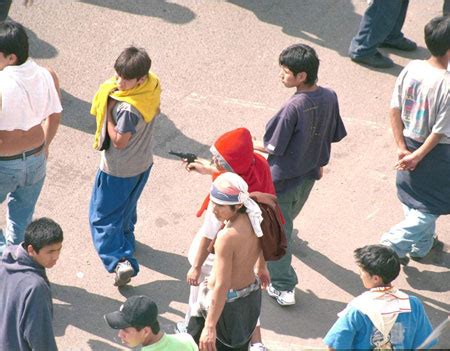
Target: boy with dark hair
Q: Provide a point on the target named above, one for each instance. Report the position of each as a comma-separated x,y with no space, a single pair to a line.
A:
298,140
137,321
420,121
30,112
25,296
383,317
125,107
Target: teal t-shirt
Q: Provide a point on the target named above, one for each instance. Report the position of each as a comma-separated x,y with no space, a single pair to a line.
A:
177,342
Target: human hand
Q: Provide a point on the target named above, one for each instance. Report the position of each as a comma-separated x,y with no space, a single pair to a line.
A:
46,151
200,166
193,275
402,153
408,162
264,276
207,340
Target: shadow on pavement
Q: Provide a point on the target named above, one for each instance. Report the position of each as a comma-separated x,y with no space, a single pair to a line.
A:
97,345
167,136
167,11
167,263
39,48
327,23
77,308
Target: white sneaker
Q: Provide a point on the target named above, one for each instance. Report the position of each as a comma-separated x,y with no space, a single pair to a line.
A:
181,327
284,298
124,272
257,347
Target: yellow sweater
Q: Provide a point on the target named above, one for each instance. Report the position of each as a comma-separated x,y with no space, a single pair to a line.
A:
144,97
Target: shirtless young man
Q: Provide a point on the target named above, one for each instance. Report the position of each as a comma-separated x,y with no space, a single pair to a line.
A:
30,112
233,285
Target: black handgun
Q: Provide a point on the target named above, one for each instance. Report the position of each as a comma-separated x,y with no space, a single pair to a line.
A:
189,157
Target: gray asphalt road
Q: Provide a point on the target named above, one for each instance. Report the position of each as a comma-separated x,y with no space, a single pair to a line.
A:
217,61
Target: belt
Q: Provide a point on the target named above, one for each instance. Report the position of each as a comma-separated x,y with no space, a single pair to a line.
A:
233,295
22,155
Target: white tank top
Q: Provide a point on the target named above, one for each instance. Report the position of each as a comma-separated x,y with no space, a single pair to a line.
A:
28,96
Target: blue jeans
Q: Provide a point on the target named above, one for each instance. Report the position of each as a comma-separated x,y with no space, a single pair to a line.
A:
112,217
413,235
21,182
382,23
291,202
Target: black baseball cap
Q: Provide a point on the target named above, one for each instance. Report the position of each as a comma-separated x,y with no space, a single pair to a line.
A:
137,311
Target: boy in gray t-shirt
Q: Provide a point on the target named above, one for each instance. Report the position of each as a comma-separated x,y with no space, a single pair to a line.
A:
132,100
420,121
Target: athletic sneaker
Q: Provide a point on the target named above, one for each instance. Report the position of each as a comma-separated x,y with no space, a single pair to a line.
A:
257,347
124,272
284,298
181,327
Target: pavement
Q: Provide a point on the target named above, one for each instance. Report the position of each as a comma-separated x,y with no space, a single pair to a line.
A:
217,61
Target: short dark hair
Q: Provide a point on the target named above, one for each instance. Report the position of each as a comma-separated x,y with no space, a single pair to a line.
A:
378,260
42,232
437,35
154,327
14,40
241,209
301,58
133,63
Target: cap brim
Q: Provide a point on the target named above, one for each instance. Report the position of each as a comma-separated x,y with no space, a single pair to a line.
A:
116,321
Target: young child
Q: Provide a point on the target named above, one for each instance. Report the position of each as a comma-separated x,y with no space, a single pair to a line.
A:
383,317
125,107
298,140
420,121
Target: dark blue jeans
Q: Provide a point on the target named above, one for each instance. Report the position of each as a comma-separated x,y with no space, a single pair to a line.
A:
4,9
112,217
382,23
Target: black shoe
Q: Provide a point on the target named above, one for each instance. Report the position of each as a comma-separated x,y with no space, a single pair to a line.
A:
437,244
417,258
404,260
376,60
404,45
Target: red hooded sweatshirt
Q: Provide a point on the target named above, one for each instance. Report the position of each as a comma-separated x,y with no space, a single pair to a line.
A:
236,148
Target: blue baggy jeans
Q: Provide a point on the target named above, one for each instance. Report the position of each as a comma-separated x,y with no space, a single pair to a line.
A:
113,215
21,181
382,23
291,202
414,235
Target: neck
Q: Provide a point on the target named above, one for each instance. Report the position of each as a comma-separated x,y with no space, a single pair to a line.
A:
152,338
303,88
382,287
440,62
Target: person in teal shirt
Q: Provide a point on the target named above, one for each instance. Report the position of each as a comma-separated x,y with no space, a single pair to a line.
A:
137,321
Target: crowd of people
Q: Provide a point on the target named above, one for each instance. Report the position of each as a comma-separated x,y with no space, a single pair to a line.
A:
228,266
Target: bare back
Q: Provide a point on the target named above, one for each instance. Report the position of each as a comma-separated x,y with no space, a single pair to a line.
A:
241,249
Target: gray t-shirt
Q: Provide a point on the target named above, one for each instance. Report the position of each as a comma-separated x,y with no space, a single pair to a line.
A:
137,156
421,94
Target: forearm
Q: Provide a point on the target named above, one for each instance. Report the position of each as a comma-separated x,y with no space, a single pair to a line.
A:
258,145
202,252
397,128
430,142
261,262
50,127
218,300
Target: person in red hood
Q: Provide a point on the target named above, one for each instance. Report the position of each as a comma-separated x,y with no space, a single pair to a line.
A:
232,152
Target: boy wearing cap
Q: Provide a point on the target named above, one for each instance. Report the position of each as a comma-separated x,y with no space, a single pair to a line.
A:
137,321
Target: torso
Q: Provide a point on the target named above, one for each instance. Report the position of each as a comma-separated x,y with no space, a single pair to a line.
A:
239,237
17,141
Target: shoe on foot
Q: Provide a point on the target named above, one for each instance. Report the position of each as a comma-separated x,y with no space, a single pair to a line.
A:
437,244
257,347
181,327
404,260
403,44
376,60
284,298
124,272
